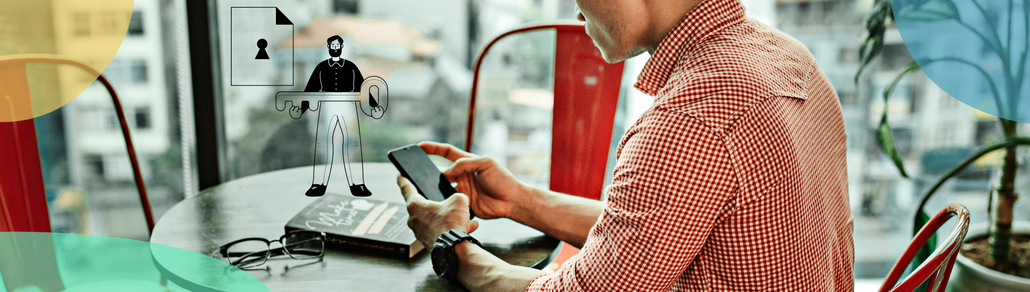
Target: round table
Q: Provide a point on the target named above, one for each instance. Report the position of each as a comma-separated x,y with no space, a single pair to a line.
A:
260,205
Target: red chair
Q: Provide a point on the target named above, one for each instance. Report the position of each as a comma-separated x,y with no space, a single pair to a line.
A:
937,268
586,93
23,204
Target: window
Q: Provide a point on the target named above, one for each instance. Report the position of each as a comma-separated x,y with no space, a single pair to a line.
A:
112,121
142,118
422,50
136,24
425,49
138,71
931,129
80,24
81,146
109,22
126,71
95,164
345,6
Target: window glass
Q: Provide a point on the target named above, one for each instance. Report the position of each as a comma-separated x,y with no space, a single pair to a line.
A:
423,50
514,102
932,130
142,118
136,24
82,24
86,171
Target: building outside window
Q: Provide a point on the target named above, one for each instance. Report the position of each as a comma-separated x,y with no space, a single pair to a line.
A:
142,118
136,24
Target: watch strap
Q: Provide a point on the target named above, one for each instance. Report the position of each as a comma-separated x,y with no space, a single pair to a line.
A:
450,239
455,236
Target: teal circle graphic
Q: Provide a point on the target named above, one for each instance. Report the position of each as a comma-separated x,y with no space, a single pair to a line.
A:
974,50
36,261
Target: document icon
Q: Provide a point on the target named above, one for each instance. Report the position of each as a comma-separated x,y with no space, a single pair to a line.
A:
257,52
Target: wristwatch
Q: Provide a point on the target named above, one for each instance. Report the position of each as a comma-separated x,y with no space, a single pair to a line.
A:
445,260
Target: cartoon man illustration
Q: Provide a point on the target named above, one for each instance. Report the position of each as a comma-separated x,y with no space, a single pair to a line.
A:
338,92
335,74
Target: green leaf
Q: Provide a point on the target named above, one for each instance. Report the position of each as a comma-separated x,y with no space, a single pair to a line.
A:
883,132
924,253
881,10
875,27
871,47
886,140
931,10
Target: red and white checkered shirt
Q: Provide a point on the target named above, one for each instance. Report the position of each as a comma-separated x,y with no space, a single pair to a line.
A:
734,180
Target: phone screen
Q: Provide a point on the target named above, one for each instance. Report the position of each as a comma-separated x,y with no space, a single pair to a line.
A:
414,164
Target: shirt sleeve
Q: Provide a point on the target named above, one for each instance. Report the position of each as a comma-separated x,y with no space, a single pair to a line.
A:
315,81
672,181
358,79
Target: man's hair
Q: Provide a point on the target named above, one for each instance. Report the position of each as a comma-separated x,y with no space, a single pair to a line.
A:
334,38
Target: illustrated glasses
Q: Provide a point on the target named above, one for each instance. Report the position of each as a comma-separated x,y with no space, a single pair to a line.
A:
251,253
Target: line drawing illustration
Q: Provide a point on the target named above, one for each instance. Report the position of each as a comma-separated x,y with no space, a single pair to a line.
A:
238,33
337,92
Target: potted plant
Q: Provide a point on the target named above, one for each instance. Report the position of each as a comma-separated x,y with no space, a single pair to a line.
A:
995,256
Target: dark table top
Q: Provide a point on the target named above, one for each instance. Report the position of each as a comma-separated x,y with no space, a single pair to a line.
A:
260,205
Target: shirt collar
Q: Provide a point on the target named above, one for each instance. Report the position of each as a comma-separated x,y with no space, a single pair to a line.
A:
336,63
707,18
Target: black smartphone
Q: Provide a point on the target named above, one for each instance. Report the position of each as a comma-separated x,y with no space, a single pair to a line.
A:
414,164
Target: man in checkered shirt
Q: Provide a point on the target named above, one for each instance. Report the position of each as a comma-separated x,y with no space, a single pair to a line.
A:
734,180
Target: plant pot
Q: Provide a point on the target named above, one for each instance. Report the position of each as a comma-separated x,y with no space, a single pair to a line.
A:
970,276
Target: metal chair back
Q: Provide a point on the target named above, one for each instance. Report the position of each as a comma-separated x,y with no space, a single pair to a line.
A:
936,268
586,94
23,205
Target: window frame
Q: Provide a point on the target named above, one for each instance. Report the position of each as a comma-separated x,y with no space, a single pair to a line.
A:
208,126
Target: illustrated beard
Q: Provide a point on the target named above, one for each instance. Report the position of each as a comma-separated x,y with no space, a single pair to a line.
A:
335,53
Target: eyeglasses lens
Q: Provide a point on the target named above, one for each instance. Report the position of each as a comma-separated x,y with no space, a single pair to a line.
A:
304,244
248,254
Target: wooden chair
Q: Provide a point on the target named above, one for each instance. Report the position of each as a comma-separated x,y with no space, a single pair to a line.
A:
936,268
586,94
23,204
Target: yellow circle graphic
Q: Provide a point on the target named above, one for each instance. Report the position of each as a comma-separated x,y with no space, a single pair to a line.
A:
52,50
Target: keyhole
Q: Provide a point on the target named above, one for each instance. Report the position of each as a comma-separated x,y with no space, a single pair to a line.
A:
262,55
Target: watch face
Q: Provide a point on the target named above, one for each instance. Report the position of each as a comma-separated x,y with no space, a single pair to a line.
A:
439,258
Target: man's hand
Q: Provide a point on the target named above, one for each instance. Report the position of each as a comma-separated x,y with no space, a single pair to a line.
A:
431,219
492,191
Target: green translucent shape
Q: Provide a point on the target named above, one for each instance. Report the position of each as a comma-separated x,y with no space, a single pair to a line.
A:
48,262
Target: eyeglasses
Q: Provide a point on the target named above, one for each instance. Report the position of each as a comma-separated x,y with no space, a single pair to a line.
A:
250,253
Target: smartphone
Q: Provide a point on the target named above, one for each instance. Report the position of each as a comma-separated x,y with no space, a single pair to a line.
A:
414,164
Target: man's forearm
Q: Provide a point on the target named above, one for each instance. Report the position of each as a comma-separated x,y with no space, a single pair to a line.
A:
565,217
481,271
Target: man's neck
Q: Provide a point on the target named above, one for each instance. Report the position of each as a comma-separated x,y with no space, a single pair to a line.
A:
666,17
336,59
